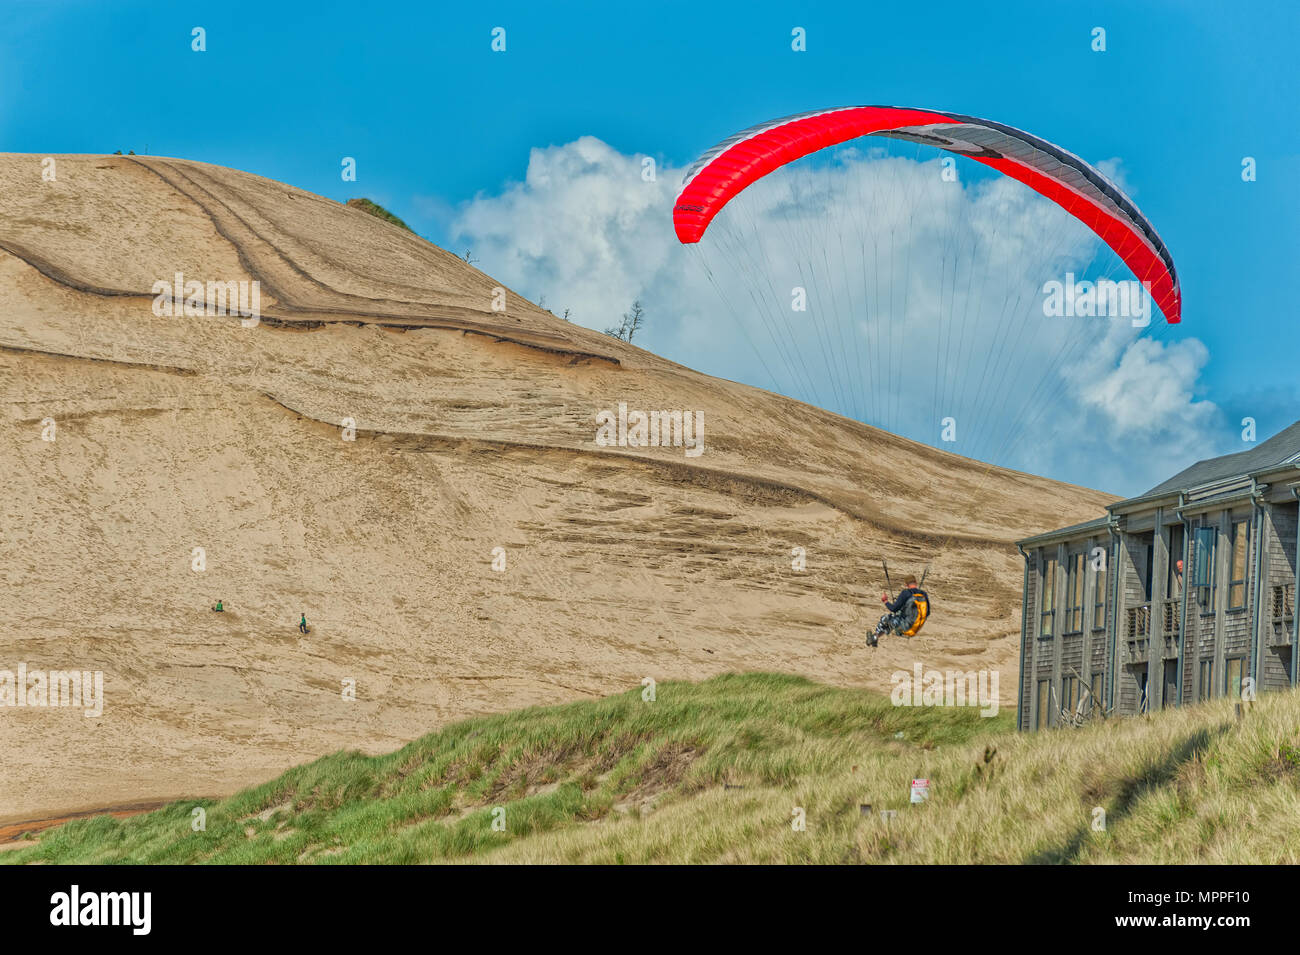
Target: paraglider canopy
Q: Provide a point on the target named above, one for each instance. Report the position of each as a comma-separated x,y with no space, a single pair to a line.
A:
1060,176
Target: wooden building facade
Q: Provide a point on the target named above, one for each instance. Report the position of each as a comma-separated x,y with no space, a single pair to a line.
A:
1184,593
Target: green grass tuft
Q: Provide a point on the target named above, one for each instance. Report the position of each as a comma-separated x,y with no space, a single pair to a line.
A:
379,212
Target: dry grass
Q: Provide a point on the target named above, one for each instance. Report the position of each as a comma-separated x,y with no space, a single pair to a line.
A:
711,773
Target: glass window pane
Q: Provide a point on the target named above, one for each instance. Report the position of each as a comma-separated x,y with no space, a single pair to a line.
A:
1233,674
1205,537
1237,581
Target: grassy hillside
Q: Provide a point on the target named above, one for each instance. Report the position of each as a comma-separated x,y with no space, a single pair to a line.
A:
711,771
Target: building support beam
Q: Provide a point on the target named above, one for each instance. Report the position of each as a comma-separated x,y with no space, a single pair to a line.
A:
1191,675
1112,630
1257,541
1024,642
1295,617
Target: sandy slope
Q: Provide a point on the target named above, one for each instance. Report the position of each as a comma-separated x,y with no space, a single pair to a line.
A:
474,431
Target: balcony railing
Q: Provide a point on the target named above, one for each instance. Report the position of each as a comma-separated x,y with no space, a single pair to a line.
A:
1171,618
1284,603
1171,625
1283,615
1138,625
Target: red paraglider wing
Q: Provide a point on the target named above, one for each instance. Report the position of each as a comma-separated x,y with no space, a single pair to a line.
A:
1077,187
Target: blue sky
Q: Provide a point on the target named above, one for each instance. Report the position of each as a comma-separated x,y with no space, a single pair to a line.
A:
437,120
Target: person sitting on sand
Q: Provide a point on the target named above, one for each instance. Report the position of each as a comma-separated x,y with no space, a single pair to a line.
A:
220,607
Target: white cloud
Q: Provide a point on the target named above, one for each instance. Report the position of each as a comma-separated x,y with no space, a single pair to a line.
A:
1113,169
1152,384
579,231
924,301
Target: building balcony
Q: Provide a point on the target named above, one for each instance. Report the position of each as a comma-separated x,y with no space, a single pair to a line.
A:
1171,618
1171,626
1137,625
1282,616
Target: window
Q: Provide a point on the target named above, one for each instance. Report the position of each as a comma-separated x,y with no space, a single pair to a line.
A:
1074,594
1099,596
1232,670
1047,622
1094,700
1207,686
1174,581
1150,565
1203,569
1042,715
1069,694
1237,579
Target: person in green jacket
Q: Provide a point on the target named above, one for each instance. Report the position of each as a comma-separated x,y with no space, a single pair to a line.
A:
302,624
220,607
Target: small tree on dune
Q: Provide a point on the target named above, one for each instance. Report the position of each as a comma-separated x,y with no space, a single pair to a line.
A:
631,323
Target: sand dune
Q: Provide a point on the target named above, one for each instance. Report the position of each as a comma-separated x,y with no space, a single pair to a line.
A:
474,430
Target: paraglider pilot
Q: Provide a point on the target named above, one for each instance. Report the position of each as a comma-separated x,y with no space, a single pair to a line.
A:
906,614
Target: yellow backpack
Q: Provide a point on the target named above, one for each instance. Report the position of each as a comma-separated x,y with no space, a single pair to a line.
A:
921,607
